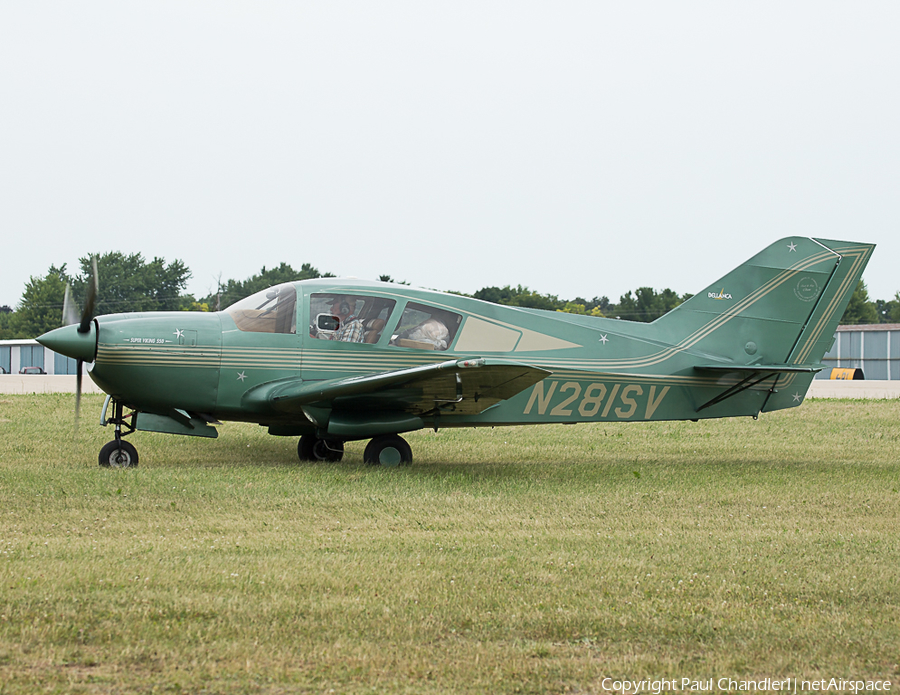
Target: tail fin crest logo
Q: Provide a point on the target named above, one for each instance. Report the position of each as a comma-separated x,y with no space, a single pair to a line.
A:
807,289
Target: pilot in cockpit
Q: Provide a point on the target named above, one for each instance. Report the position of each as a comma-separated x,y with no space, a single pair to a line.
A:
351,327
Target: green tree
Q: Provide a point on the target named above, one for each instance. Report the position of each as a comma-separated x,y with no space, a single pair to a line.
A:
894,314
495,295
6,319
573,308
519,296
388,278
532,300
646,304
598,306
129,283
233,290
888,311
860,310
40,309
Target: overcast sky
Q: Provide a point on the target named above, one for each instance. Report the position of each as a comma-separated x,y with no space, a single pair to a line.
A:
577,148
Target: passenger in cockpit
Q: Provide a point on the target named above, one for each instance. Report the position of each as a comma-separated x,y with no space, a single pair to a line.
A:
431,331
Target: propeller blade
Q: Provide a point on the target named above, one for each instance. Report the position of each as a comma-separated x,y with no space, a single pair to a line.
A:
87,314
78,377
70,312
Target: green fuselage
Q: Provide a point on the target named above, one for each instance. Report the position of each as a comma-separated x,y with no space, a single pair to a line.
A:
751,342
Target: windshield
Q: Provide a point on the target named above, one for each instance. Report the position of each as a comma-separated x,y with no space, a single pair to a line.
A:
271,311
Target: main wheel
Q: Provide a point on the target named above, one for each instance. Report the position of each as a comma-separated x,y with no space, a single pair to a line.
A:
388,450
311,448
119,454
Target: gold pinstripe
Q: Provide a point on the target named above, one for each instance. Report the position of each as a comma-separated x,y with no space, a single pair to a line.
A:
327,360
199,357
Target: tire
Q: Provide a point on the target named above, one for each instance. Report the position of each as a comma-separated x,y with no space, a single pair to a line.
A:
305,447
388,450
119,454
311,448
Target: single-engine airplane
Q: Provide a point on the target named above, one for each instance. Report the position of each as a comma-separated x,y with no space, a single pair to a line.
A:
334,360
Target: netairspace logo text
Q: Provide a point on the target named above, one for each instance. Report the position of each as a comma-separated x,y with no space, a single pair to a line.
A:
734,685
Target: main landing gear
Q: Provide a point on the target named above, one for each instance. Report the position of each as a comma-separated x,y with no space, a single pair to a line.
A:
118,453
388,450
384,450
311,448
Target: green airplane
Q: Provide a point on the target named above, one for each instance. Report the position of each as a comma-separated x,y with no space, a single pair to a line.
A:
335,360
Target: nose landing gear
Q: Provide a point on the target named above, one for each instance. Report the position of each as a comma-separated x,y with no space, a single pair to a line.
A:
118,453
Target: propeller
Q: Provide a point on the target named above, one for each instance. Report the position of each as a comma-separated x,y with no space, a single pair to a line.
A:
70,316
90,299
70,311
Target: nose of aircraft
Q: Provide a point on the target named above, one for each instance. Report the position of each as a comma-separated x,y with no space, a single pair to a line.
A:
70,342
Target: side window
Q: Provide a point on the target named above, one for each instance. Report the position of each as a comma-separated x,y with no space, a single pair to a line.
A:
271,311
348,318
426,328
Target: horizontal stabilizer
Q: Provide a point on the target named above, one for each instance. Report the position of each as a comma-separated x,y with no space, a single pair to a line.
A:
760,368
753,375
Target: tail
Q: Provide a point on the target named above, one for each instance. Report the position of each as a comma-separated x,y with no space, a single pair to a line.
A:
781,309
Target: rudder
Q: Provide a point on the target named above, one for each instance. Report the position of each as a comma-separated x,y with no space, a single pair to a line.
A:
817,335
816,338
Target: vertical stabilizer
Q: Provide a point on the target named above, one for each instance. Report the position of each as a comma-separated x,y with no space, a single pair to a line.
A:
780,307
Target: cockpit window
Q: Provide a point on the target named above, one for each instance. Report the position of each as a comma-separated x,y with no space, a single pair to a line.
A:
426,328
348,318
271,311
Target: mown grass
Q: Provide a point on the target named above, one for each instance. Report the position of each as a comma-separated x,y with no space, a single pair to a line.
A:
508,560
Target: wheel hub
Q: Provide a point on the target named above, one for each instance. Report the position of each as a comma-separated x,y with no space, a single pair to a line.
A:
389,456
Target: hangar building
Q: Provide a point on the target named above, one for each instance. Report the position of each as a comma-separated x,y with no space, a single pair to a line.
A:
19,354
873,348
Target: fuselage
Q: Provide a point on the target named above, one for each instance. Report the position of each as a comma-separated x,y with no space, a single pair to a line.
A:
602,369
333,360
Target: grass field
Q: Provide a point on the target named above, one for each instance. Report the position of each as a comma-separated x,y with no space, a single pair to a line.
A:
510,560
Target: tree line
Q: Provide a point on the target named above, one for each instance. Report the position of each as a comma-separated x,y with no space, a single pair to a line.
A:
128,282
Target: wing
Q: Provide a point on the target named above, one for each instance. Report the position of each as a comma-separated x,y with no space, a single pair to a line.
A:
455,386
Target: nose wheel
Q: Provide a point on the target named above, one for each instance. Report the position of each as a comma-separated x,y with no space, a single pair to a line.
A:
118,454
